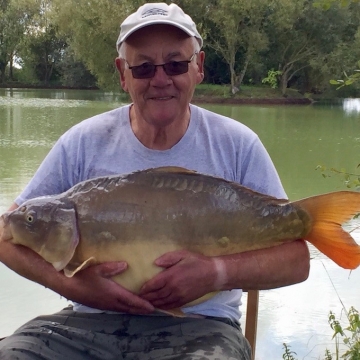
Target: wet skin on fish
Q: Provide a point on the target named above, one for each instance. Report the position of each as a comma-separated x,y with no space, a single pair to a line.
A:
140,216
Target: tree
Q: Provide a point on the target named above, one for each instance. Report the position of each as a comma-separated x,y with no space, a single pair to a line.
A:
355,76
237,30
91,29
15,16
43,52
73,73
41,47
308,41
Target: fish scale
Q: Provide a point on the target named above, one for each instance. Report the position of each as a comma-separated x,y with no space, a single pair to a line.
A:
140,216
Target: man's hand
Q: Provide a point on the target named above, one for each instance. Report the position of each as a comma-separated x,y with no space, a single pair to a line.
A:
95,288
187,276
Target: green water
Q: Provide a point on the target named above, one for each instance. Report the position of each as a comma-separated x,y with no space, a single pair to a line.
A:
298,138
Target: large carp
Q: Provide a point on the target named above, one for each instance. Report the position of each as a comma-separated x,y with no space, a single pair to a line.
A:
139,216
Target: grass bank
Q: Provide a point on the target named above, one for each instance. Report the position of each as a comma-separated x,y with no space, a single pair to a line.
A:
206,93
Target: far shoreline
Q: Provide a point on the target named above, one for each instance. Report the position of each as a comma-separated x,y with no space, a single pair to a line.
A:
205,94
251,101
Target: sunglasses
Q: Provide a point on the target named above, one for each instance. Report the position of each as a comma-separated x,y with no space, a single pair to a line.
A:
147,70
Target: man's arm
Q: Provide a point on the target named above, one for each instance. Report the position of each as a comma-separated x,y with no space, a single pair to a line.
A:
92,286
189,276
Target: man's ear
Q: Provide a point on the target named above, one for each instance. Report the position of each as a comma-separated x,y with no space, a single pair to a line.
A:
200,64
120,65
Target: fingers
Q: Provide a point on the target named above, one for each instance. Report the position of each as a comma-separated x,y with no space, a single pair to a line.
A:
153,285
187,276
96,288
168,303
171,258
151,294
133,304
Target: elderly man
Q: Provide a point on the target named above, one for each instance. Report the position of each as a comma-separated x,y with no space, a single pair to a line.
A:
160,62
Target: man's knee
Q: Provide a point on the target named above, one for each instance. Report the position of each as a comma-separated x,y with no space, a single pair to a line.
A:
16,348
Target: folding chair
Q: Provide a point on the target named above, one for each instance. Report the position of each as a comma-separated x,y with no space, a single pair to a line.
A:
252,318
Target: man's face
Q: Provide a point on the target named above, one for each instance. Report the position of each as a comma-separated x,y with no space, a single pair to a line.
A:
161,100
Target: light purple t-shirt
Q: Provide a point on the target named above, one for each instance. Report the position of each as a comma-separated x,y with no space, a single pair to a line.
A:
105,145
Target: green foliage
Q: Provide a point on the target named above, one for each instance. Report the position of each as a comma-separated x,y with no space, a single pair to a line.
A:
326,4
349,79
91,29
328,355
15,17
272,79
348,337
43,52
243,40
288,355
351,180
74,73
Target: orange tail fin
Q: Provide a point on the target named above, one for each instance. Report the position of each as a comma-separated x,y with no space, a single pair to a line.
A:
328,212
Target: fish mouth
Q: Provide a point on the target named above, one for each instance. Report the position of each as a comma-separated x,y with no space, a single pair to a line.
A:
5,231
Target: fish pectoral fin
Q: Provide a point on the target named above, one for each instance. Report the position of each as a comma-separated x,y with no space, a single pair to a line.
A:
202,299
62,239
5,231
70,271
177,312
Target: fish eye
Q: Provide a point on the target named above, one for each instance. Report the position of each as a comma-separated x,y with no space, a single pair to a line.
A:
30,217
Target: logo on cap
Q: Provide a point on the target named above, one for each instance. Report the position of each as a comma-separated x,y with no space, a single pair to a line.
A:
154,12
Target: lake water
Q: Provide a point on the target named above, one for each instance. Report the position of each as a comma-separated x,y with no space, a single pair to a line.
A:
298,138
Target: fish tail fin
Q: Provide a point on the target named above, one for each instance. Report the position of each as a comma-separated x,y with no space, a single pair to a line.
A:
328,212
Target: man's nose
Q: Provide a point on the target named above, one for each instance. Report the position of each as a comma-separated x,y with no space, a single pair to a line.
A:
160,77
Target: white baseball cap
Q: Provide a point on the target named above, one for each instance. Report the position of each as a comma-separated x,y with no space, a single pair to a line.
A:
157,13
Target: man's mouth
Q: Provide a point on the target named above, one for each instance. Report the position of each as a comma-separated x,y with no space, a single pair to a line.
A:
162,98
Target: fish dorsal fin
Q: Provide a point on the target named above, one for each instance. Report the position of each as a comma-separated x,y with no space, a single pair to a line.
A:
171,169
70,270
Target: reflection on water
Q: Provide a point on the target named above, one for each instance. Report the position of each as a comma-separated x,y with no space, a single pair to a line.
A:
298,315
30,94
351,106
40,103
298,139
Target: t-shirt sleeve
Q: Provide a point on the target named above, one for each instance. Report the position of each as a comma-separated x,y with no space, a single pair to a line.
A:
52,176
259,173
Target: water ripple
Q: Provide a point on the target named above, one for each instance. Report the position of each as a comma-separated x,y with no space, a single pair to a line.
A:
42,103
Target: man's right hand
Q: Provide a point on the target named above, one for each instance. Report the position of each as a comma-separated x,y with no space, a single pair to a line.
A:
95,288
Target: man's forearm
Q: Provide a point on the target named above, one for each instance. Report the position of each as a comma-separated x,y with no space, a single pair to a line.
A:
263,269
30,265
93,286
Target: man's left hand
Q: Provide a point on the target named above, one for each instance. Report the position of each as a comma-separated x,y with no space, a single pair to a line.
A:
187,276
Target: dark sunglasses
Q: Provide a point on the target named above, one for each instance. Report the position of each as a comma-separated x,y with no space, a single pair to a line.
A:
171,68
